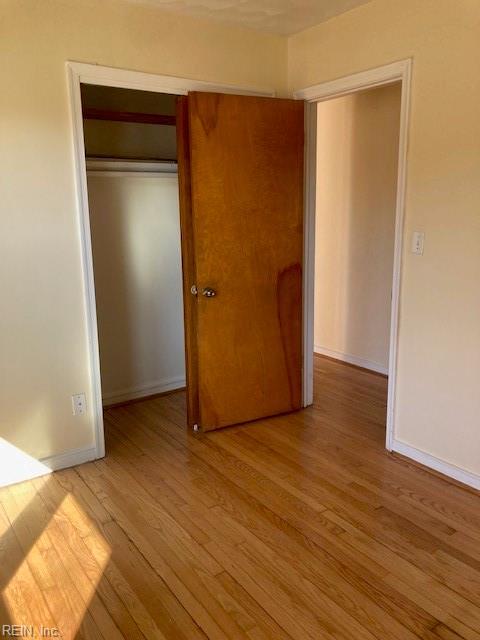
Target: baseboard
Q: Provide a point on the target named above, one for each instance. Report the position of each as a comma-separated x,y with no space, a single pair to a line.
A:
69,458
150,389
345,357
445,468
21,467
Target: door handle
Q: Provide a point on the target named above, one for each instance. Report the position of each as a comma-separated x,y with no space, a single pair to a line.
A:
208,292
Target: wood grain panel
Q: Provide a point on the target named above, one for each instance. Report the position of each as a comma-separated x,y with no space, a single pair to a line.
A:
247,210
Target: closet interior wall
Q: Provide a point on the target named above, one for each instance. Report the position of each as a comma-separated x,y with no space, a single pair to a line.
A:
130,147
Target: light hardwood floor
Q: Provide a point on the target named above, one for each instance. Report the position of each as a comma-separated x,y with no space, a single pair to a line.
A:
300,526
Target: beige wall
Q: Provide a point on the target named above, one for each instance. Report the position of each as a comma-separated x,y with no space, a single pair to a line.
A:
135,227
42,324
438,404
44,355
357,152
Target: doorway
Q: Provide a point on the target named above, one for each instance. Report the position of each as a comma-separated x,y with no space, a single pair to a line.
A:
357,166
132,180
229,278
398,72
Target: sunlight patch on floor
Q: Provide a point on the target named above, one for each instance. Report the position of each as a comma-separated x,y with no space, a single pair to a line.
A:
56,570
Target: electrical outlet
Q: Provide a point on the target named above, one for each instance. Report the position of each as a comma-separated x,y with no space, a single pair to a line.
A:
79,404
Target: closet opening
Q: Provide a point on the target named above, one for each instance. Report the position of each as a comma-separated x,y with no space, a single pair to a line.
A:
133,198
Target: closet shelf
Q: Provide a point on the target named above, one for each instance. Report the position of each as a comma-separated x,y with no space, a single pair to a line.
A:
91,113
137,165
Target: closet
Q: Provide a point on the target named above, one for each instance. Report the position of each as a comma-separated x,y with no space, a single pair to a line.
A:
130,147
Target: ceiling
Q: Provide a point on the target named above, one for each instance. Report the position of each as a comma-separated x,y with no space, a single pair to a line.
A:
283,17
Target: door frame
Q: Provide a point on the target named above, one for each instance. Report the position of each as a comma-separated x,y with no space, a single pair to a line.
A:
400,71
81,73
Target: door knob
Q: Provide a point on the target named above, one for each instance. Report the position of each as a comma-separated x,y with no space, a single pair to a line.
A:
208,292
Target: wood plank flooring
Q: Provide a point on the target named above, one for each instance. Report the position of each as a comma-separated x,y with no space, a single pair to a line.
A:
300,526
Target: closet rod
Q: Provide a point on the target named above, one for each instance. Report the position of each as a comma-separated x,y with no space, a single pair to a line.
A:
90,113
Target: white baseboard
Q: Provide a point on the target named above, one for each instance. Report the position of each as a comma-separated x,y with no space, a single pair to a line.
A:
21,467
70,458
345,357
447,469
133,393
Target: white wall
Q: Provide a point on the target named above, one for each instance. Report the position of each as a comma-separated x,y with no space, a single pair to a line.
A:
135,227
437,401
357,160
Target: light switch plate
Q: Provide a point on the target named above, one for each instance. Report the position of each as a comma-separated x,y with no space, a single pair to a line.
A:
418,240
79,404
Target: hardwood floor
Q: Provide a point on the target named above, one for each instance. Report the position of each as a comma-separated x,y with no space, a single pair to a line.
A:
300,526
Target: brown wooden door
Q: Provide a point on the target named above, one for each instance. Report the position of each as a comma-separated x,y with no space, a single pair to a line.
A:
241,198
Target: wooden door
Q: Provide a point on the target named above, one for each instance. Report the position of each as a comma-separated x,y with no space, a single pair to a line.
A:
241,197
